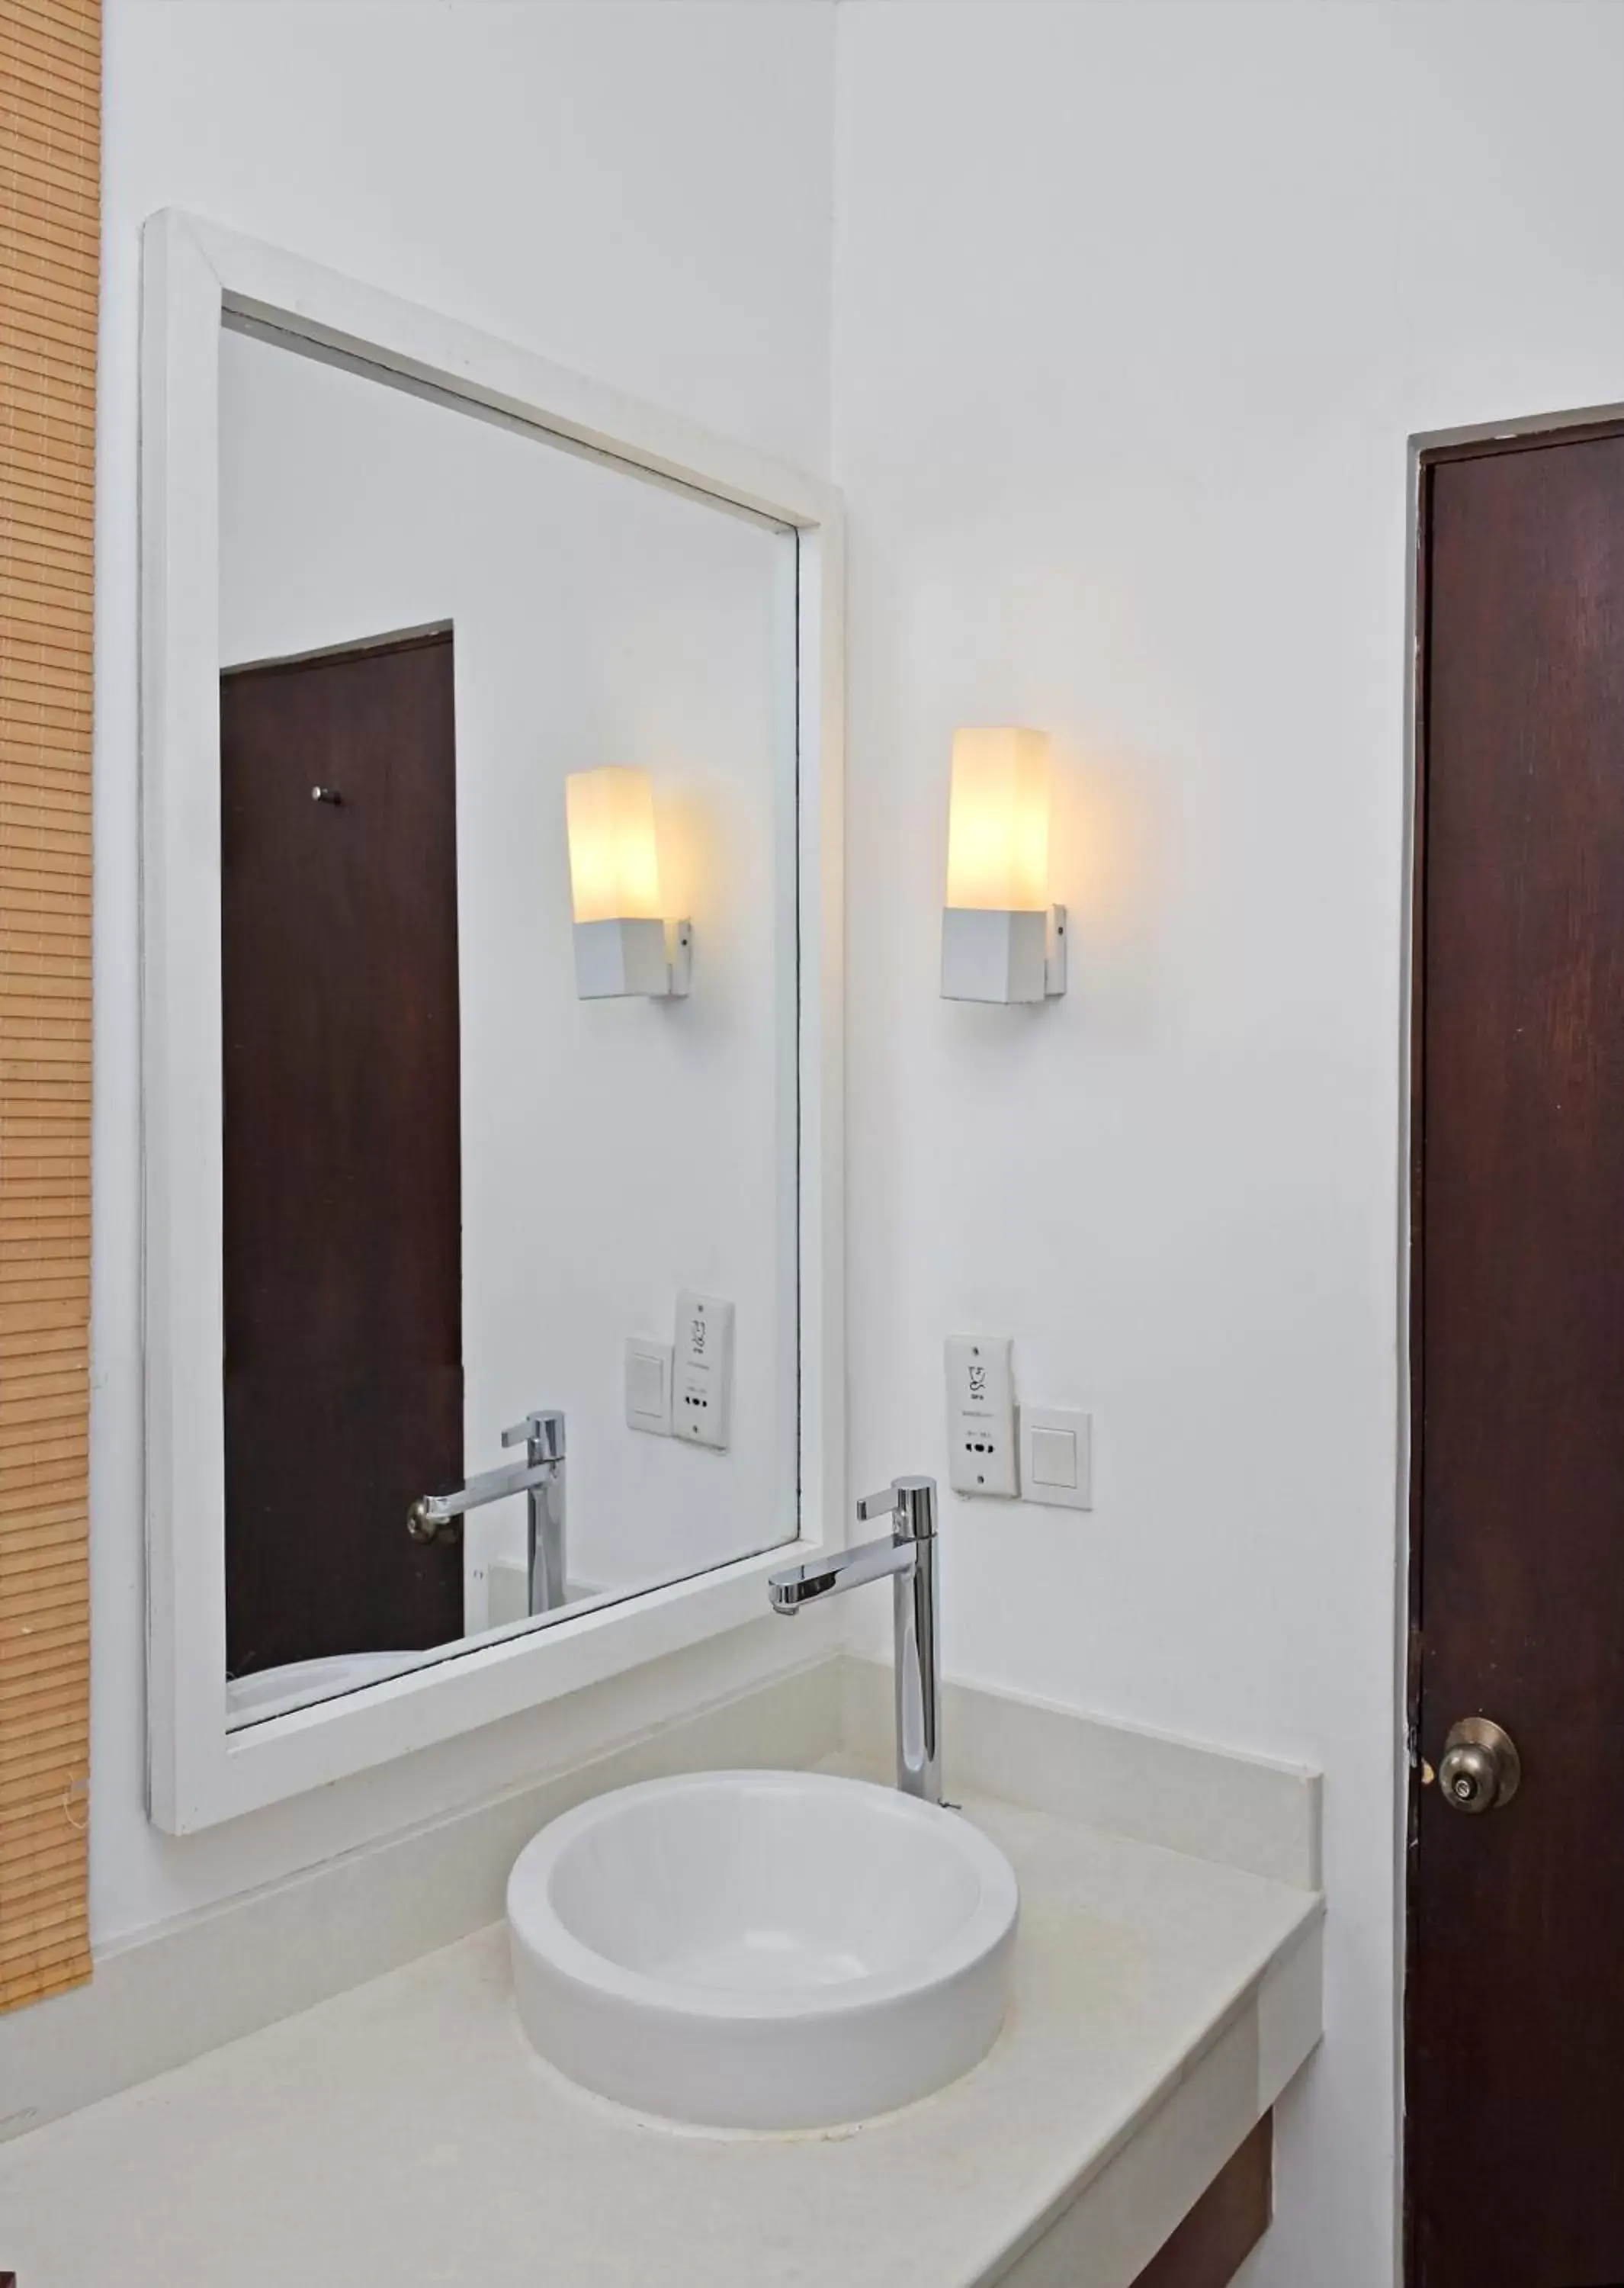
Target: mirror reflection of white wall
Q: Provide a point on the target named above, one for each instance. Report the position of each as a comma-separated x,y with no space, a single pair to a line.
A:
613,1152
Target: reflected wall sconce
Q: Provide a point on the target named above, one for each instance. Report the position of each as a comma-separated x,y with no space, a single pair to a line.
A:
623,942
1002,940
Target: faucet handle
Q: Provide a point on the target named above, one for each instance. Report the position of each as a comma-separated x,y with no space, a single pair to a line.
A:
544,1428
911,1501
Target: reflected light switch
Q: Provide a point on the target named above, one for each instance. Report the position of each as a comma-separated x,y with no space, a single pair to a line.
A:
1056,1457
648,1386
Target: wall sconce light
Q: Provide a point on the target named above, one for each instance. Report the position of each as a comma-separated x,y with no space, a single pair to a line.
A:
623,942
1002,940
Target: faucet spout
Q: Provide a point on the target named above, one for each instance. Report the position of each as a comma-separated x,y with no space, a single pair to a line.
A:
847,1568
490,1486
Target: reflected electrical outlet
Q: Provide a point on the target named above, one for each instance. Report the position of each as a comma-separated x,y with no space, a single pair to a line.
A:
702,1388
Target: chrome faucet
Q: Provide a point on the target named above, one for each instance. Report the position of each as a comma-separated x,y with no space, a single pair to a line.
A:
540,1478
909,1559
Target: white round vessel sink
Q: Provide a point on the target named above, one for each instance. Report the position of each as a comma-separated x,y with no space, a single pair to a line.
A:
761,1949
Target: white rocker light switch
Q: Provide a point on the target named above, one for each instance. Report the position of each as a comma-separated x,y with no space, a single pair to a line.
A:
1057,1457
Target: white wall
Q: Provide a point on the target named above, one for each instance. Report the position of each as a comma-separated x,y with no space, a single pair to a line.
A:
613,1152
640,191
1135,310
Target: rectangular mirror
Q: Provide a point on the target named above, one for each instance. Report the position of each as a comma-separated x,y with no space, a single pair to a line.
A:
488,1063
455,1191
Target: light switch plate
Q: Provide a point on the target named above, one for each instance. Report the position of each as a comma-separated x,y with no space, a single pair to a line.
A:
981,1415
1057,1457
648,1386
702,1386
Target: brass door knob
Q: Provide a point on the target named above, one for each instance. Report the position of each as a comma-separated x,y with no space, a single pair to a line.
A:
1481,1769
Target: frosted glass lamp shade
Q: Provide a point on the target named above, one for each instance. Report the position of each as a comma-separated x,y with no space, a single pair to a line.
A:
998,820
614,860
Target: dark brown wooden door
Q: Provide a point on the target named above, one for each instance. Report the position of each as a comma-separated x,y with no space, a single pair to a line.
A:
1515,2000
343,1203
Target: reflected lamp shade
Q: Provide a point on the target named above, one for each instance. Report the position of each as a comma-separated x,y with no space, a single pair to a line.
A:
621,942
1002,940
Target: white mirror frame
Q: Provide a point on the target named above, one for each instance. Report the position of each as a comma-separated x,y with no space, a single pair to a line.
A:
193,275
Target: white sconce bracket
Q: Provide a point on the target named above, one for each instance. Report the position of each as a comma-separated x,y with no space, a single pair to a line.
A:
623,957
989,955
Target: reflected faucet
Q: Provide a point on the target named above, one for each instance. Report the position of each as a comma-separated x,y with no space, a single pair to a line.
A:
908,1558
540,1478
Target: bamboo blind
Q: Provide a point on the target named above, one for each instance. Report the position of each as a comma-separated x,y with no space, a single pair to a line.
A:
50,121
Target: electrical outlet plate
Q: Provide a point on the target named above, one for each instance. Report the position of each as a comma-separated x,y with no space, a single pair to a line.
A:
702,1384
648,1386
981,1415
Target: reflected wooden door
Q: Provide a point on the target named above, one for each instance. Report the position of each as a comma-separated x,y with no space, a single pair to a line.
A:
343,1206
1514,2071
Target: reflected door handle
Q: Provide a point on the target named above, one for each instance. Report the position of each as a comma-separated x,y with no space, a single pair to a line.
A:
1481,1769
423,1524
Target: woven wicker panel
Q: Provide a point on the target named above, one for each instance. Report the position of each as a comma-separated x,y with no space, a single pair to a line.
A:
50,118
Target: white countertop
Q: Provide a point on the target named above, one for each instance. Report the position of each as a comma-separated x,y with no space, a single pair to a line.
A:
404,2133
